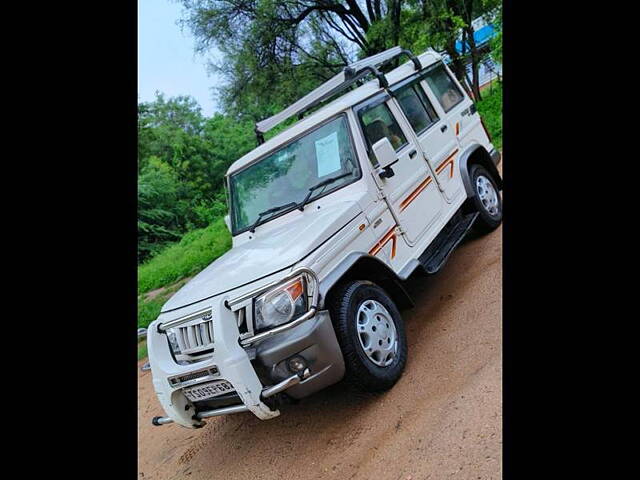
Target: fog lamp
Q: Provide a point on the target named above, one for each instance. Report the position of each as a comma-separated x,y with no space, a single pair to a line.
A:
296,364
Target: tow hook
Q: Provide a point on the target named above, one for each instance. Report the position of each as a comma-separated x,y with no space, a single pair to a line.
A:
157,421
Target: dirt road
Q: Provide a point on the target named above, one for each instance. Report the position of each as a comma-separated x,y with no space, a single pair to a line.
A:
441,420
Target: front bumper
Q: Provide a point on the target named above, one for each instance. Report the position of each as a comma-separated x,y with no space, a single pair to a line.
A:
253,371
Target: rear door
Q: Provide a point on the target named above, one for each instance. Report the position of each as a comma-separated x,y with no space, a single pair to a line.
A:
411,192
441,145
432,104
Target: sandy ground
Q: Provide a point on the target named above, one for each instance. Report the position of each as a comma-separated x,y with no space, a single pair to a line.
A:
442,420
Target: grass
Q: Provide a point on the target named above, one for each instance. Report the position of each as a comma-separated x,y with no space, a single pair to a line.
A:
490,108
194,252
142,349
148,310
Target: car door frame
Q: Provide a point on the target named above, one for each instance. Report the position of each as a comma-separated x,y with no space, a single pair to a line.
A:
412,142
438,161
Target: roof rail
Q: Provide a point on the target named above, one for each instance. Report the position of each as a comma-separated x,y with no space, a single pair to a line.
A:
343,80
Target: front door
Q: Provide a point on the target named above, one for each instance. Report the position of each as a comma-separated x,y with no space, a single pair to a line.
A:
412,193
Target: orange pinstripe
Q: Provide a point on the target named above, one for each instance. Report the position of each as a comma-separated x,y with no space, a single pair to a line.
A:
390,235
448,161
412,196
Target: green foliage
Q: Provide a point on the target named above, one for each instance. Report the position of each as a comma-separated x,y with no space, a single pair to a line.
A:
148,310
182,159
195,251
142,350
490,108
495,44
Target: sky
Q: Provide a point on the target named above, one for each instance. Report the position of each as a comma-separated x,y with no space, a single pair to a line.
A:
166,58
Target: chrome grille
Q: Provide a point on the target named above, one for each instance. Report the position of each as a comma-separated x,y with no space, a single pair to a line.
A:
194,334
195,337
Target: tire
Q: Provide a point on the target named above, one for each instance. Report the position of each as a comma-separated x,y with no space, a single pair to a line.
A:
360,300
486,202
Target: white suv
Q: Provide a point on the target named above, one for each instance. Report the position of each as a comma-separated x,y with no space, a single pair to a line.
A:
328,218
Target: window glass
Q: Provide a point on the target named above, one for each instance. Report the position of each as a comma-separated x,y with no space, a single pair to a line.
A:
445,90
378,122
413,107
427,103
286,175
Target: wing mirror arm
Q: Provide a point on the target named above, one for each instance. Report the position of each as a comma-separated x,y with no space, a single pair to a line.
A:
387,172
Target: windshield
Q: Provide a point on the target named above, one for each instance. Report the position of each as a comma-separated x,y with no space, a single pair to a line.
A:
286,175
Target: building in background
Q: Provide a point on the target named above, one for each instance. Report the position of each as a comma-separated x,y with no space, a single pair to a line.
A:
488,70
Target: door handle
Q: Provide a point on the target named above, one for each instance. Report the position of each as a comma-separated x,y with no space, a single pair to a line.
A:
412,154
443,128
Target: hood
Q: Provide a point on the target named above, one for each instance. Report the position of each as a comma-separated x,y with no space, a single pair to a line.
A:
271,250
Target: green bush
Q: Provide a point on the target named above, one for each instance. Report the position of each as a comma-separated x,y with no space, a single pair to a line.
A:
490,108
149,310
142,350
194,252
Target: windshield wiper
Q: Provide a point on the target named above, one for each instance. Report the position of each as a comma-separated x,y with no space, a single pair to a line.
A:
271,210
300,205
323,183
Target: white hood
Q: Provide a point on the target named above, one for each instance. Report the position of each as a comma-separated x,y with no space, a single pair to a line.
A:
271,250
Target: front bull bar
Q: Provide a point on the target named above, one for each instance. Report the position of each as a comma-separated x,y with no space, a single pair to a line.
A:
266,393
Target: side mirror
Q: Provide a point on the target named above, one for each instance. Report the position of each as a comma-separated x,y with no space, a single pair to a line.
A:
386,156
227,222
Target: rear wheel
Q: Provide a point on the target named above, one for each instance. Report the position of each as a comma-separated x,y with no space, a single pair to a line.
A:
371,335
486,200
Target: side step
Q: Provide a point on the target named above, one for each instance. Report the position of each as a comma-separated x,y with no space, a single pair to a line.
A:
436,254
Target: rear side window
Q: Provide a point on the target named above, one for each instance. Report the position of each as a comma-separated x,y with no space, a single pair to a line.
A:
378,122
447,92
417,108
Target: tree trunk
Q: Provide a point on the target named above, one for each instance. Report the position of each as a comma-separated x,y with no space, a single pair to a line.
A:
475,62
395,20
458,66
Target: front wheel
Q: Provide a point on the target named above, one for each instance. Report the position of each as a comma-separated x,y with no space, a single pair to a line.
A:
487,199
371,335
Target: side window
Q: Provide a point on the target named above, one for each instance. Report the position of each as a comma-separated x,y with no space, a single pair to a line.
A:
378,122
444,88
417,108
427,103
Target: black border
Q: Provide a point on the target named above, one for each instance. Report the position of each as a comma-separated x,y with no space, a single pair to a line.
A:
73,223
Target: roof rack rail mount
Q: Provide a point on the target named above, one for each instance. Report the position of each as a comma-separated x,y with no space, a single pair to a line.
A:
343,80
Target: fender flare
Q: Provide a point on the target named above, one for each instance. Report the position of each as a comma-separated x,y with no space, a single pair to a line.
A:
390,280
485,161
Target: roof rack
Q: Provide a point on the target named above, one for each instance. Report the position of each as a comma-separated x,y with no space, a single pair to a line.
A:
343,80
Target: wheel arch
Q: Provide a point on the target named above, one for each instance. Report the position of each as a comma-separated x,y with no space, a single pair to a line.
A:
362,266
477,154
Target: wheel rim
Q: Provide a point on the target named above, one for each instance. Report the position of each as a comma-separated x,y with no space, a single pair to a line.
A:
488,195
377,333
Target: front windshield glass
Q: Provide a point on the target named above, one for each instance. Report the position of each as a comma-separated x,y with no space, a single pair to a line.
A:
287,174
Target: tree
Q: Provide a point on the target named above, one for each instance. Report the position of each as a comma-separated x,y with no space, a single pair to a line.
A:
294,44
494,16
158,221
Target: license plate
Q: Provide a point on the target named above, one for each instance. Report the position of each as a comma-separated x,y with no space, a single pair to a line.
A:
208,390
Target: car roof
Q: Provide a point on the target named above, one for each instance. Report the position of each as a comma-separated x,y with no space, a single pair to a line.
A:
340,104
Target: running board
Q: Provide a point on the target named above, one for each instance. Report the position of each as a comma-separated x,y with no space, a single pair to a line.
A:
437,254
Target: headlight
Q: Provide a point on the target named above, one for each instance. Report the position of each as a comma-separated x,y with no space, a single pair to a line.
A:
280,305
173,341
